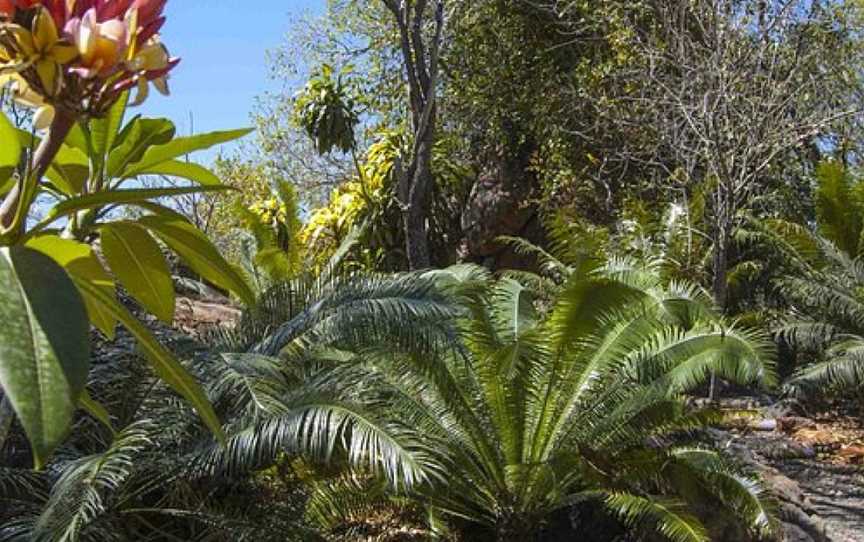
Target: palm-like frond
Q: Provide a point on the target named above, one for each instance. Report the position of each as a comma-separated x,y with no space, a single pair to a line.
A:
827,318
668,517
78,497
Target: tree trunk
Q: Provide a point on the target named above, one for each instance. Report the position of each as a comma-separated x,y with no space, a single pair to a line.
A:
720,286
421,71
416,213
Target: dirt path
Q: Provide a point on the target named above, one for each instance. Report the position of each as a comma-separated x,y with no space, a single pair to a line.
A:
836,493
809,466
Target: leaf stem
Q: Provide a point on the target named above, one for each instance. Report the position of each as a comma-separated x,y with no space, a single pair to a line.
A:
16,205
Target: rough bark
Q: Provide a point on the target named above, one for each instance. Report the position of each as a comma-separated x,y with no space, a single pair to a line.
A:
417,180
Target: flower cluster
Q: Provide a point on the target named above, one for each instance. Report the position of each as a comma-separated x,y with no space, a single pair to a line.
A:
271,212
81,55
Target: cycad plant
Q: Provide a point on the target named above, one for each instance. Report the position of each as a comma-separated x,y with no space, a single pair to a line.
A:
827,317
445,400
824,285
514,414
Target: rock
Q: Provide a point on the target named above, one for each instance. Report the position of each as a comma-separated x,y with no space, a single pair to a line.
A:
792,533
764,425
191,287
500,201
790,424
853,454
193,316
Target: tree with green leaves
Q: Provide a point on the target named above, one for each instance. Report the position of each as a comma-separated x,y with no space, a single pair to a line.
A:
92,174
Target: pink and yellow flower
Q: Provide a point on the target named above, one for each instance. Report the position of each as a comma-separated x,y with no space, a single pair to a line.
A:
83,54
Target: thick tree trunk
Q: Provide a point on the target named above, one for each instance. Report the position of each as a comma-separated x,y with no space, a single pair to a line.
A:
421,70
416,205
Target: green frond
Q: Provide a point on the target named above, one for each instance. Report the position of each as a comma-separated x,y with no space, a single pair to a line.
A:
667,517
743,497
79,496
549,264
681,361
843,368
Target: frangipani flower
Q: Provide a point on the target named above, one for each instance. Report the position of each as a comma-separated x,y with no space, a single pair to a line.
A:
81,55
102,46
42,48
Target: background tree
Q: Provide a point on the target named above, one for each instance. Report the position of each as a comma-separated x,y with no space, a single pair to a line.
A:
421,57
733,92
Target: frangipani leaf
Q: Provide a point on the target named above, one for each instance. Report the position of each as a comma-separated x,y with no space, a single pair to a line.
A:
80,262
137,261
44,346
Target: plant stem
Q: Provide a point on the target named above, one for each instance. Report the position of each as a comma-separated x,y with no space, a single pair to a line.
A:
12,215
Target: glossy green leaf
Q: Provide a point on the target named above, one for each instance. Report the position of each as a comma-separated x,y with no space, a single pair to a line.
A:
80,262
44,346
164,364
10,145
141,135
182,146
95,409
121,197
198,253
137,261
184,170
103,131
70,168
78,139
68,178
6,180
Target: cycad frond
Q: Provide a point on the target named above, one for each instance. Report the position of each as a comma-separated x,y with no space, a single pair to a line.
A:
667,517
79,495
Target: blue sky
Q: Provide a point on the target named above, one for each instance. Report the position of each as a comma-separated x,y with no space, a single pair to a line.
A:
223,44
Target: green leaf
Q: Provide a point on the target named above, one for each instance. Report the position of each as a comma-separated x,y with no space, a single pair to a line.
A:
6,182
80,262
181,146
184,170
198,253
96,410
68,178
70,167
136,140
78,139
138,263
99,412
164,364
10,145
44,346
103,131
121,197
